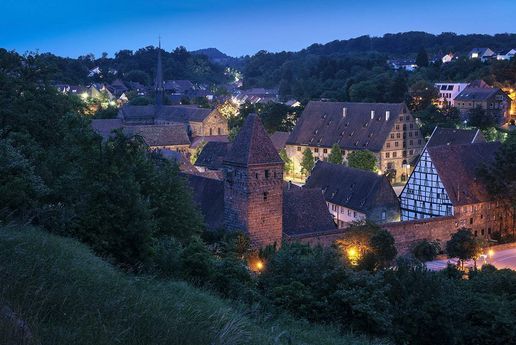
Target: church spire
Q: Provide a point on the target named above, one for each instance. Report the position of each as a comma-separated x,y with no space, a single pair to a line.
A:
159,78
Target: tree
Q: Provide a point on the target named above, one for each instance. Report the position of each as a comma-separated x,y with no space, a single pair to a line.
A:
335,155
432,116
480,118
382,245
426,250
288,165
463,245
20,186
307,162
362,159
422,93
422,58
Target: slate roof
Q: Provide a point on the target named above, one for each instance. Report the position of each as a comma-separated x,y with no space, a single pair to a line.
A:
160,135
178,85
305,211
454,136
324,124
212,155
172,113
279,139
104,127
457,166
476,94
353,188
252,145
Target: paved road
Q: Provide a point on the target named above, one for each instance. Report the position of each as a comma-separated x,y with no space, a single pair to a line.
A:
500,259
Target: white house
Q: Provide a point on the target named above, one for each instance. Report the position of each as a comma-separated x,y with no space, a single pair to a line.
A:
507,56
448,92
481,53
447,58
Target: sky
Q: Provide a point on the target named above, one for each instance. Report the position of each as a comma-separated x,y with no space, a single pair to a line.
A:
73,28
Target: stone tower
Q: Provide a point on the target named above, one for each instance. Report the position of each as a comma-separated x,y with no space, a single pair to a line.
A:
253,185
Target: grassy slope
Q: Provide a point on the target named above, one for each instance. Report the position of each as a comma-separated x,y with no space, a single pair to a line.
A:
69,296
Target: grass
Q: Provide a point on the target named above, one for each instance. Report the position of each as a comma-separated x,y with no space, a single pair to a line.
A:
67,295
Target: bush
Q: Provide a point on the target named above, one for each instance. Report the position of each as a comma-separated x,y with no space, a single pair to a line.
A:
426,250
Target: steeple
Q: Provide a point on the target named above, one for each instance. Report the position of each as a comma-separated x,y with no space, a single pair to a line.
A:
159,79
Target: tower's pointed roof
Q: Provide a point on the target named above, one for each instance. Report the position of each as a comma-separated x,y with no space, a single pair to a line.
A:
252,146
159,78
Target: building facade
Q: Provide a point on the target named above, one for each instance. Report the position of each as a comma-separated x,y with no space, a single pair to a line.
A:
445,184
448,92
354,194
491,99
388,130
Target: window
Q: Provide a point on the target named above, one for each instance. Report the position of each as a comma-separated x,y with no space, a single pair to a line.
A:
384,215
349,212
411,125
299,148
388,145
392,135
396,144
354,214
267,174
219,131
397,127
419,141
471,221
211,131
256,175
411,142
265,195
387,155
398,135
316,150
394,154
325,150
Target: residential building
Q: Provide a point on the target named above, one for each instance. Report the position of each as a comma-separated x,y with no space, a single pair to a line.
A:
448,92
388,130
506,55
445,183
481,53
171,137
447,58
492,99
354,194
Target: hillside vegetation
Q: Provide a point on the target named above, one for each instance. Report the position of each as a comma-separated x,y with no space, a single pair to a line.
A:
69,296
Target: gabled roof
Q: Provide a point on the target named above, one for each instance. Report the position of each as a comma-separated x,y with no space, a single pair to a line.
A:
348,124
457,167
305,211
454,136
160,135
172,113
252,146
212,155
349,187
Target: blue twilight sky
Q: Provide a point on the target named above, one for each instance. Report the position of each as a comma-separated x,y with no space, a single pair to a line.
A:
73,28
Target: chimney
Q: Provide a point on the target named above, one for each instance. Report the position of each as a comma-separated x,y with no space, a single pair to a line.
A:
372,114
344,112
387,115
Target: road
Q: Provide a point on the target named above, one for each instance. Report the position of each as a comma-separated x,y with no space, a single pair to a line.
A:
500,259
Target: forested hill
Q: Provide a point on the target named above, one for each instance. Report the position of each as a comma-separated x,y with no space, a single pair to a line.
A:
138,66
408,43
